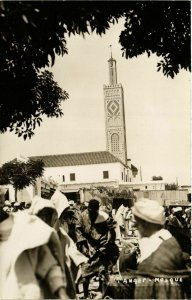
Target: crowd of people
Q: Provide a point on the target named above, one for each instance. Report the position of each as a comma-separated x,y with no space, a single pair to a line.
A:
51,248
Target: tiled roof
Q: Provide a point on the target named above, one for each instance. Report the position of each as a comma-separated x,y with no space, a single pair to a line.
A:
76,159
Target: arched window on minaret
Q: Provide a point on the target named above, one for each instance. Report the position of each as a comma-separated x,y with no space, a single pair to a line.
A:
114,142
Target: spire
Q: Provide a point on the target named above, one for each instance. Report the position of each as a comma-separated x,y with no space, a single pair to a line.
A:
111,51
112,69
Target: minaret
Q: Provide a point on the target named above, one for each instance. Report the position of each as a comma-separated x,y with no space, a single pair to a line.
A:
115,114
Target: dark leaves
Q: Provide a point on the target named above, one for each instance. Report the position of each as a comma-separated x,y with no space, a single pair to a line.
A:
42,97
21,174
162,28
33,32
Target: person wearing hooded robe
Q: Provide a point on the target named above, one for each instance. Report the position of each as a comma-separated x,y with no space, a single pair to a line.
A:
66,215
29,270
47,212
61,224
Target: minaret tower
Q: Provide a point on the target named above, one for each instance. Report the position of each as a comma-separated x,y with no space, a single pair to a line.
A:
115,114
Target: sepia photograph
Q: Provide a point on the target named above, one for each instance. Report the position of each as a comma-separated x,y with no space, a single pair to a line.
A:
95,150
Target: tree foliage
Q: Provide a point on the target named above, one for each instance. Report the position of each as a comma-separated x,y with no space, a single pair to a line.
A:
160,27
171,186
34,32
21,174
35,94
157,178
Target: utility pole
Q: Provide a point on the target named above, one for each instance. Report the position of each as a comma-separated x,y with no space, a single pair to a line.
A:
177,184
140,174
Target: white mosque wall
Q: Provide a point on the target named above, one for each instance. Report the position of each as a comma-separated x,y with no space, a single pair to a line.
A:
87,173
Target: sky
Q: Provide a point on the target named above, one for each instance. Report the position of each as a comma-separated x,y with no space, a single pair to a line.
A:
157,110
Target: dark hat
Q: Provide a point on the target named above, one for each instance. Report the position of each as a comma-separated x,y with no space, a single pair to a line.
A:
93,204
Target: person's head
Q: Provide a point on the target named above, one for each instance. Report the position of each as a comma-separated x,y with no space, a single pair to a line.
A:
68,215
126,203
7,203
6,209
44,209
93,208
3,214
71,203
64,214
27,205
100,223
82,207
178,211
46,215
149,216
166,211
188,211
16,206
22,205
146,229
60,202
173,210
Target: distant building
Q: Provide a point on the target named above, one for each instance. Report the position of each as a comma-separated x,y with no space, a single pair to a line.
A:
78,170
146,186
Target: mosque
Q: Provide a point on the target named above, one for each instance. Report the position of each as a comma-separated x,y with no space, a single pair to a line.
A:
104,168
76,172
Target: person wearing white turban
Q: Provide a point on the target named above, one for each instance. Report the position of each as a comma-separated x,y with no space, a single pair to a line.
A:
160,253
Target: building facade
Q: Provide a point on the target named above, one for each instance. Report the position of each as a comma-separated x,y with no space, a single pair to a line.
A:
146,186
85,168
